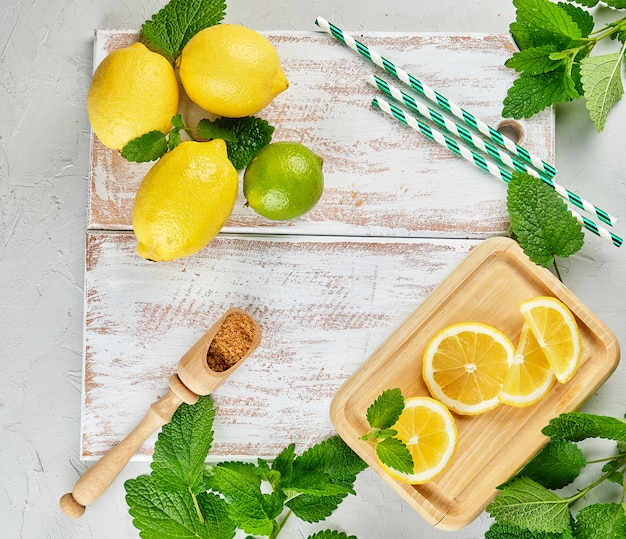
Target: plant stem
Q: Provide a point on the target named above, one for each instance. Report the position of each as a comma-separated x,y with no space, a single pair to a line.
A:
280,526
197,506
556,269
593,485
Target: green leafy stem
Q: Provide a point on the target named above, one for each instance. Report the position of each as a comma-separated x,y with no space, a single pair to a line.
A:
527,505
183,497
555,63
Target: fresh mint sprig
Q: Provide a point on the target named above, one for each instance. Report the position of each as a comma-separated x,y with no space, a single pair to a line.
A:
381,416
527,506
183,497
541,221
555,63
244,138
169,30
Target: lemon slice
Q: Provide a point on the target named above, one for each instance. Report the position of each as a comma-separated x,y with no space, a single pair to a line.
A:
428,429
556,331
465,365
530,376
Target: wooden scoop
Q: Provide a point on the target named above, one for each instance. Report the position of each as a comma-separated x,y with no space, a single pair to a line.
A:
194,377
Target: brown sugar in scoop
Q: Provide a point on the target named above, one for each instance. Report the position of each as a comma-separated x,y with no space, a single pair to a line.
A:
231,342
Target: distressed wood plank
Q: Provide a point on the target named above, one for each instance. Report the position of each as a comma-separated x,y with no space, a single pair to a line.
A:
324,305
382,178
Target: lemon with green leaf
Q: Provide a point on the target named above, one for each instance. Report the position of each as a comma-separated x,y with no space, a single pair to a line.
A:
133,91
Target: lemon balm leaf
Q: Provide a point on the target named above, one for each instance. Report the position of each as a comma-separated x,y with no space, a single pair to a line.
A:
527,504
532,93
541,221
182,447
577,426
386,409
606,520
157,514
251,135
147,147
210,130
503,531
602,84
556,465
393,453
169,30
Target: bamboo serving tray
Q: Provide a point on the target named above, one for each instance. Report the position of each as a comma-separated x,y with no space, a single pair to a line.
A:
487,287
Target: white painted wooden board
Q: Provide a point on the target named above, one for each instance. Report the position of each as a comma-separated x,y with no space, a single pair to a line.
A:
382,178
323,304
397,215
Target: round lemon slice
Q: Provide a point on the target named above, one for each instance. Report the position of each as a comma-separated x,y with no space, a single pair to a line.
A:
465,365
429,431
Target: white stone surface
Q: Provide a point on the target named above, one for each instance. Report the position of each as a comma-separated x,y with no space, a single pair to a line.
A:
45,65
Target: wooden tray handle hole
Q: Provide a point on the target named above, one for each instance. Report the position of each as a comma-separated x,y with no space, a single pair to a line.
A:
512,130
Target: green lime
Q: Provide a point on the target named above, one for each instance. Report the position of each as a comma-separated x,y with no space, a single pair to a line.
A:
283,181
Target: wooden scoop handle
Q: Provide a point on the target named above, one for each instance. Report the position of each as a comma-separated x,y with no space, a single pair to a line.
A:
101,475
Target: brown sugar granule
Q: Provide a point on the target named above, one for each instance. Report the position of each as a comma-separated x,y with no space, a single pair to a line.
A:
231,342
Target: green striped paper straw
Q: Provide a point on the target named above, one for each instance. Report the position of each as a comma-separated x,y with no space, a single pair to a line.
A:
435,97
479,160
487,147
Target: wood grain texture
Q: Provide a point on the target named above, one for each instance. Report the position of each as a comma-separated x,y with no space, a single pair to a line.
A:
381,177
323,305
487,288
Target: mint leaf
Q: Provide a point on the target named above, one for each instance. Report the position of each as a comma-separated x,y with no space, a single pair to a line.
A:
587,3
503,531
331,534
317,484
605,520
169,30
576,426
531,94
157,514
582,18
250,509
338,462
251,136
393,453
147,147
602,84
182,447
556,465
386,409
540,22
244,137
525,503
211,130
535,60
283,463
541,220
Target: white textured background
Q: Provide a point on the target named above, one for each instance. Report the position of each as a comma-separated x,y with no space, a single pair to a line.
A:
45,65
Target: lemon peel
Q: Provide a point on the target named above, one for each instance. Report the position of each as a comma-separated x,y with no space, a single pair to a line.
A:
184,200
133,91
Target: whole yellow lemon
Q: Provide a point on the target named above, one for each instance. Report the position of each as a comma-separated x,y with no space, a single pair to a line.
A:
133,91
184,200
230,70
